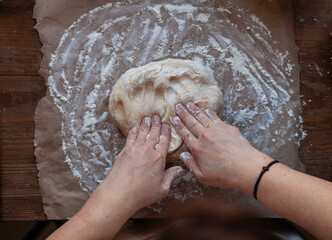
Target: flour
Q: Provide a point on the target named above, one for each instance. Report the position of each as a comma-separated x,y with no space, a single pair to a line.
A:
105,42
204,18
318,70
184,8
221,9
260,25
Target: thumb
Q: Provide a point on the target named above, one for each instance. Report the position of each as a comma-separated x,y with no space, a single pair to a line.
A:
190,162
169,176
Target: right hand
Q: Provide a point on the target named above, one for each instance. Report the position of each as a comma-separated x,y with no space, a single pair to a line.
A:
220,156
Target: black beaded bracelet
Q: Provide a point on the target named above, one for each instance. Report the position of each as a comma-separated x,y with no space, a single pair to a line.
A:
264,169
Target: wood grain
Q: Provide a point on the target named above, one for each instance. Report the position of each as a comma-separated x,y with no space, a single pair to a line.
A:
312,26
21,87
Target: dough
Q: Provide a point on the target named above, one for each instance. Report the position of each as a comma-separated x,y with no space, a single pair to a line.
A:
156,88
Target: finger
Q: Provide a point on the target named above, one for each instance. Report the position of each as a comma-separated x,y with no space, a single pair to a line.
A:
190,163
191,123
169,176
201,117
131,138
214,117
143,130
184,133
153,136
164,140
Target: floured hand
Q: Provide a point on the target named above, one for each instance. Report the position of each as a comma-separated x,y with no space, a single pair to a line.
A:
137,179
220,156
138,176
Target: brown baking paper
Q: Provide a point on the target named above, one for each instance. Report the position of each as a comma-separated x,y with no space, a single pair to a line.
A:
248,46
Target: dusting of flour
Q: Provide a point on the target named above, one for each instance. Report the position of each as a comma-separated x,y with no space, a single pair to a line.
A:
102,44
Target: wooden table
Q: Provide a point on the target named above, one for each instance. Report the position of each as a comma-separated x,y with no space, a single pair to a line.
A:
21,87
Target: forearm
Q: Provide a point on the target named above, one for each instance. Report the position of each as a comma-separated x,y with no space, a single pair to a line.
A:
86,228
222,157
301,198
93,222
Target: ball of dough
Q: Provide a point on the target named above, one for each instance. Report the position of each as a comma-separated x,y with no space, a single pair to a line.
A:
156,88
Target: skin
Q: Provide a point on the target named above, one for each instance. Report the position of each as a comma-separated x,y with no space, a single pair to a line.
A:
137,179
219,156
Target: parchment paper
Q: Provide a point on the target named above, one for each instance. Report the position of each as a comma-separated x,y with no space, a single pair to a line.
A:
63,184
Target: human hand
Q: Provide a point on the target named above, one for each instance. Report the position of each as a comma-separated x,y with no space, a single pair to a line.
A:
220,156
138,177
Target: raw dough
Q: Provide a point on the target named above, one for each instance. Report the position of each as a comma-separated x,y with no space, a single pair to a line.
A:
156,87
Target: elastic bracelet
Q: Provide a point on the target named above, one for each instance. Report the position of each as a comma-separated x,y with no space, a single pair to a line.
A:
264,169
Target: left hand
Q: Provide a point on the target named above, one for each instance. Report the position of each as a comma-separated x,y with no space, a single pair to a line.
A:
138,177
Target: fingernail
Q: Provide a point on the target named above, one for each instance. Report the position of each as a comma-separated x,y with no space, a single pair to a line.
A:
209,112
165,128
179,172
176,120
147,121
179,108
190,106
156,119
134,130
184,156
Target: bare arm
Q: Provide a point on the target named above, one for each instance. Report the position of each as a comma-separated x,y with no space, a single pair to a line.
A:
96,220
303,199
137,179
221,157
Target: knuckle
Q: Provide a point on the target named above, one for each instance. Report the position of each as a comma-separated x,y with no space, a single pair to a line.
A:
183,114
144,129
187,135
146,148
195,147
187,118
192,125
207,135
209,124
155,127
153,139
194,112
200,116
179,127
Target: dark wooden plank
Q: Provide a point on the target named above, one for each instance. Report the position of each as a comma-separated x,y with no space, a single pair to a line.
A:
19,42
17,4
21,87
312,33
312,13
20,193
19,96
19,208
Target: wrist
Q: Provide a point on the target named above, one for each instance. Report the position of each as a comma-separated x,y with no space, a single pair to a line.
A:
113,200
103,216
252,170
106,205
